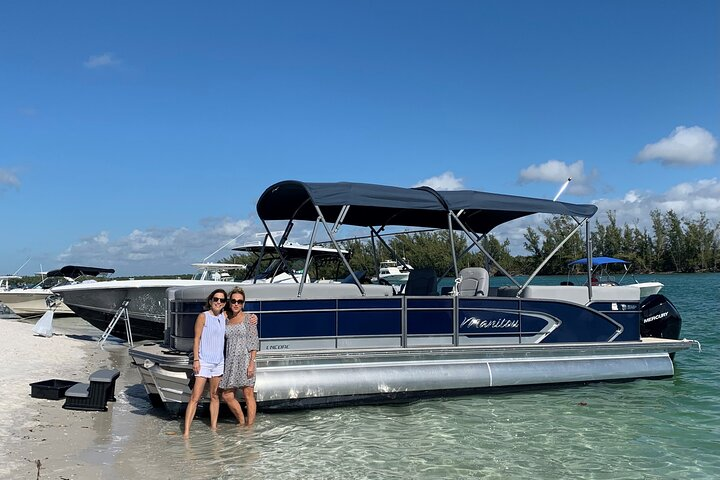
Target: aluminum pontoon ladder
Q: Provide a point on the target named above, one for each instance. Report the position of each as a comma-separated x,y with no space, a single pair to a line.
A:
122,312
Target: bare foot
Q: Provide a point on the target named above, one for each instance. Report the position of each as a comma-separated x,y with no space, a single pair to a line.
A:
186,435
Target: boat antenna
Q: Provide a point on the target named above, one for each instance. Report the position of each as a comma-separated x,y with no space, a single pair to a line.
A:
21,266
562,189
225,245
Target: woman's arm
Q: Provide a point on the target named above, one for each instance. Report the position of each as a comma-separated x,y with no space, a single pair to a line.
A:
253,343
251,365
199,325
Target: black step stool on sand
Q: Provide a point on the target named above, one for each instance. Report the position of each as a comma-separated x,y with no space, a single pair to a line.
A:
94,396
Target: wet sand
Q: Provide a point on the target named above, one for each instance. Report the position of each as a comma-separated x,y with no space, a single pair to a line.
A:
131,440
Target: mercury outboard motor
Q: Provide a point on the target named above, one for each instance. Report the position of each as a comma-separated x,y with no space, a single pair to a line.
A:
659,318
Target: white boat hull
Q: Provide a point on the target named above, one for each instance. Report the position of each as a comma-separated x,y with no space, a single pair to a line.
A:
28,303
97,303
647,288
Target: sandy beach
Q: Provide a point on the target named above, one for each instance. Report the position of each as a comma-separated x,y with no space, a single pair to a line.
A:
131,440
33,429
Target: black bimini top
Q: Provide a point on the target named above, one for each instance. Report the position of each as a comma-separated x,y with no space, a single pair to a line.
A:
75,271
380,205
484,211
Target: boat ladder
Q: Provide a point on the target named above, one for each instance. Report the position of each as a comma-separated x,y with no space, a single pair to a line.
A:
121,312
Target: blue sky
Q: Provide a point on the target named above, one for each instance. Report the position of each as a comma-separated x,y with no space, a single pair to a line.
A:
138,135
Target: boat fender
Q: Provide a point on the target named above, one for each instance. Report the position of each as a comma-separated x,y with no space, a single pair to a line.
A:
659,318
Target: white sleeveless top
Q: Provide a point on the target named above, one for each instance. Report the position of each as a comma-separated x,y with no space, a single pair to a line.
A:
212,339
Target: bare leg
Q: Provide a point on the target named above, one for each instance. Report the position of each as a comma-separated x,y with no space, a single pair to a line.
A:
234,406
249,394
214,402
192,404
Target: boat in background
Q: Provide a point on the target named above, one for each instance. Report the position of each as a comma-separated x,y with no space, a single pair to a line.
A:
394,273
601,277
328,344
144,299
39,298
287,264
5,284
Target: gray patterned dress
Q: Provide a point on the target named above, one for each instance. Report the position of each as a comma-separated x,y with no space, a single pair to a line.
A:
241,339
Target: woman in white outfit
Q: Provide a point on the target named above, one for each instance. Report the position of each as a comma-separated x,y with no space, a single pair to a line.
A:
208,357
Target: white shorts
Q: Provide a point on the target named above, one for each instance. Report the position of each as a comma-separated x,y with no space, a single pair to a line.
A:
208,370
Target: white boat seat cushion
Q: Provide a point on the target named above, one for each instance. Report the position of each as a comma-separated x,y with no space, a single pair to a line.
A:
474,282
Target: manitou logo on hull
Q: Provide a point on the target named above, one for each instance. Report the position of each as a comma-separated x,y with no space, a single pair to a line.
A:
480,323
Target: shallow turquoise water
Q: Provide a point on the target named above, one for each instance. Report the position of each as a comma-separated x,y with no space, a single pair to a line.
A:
643,429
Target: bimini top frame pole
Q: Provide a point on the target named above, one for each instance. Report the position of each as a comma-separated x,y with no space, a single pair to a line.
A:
475,240
368,205
550,255
329,231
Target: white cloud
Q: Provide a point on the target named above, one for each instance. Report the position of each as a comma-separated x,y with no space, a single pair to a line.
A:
103,60
633,208
632,196
686,199
684,146
231,228
9,178
444,181
557,172
155,250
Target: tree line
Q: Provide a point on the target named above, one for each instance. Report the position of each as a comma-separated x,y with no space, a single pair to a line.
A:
674,244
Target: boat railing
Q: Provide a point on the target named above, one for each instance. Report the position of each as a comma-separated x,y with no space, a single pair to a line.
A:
291,323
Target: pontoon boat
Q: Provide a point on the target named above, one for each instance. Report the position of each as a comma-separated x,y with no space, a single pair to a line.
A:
347,343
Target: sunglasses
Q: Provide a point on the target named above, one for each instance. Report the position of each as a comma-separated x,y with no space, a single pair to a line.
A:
236,302
218,300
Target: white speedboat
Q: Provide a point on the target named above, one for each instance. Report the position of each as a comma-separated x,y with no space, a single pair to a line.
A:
348,343
287,263
98,303
394,273
601,277
5,284
37,299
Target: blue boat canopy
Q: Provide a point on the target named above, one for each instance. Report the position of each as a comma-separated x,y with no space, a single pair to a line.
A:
381,205
598,261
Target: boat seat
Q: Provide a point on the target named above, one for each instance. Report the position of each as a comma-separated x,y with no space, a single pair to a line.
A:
474,282
421,282
579,295
360,274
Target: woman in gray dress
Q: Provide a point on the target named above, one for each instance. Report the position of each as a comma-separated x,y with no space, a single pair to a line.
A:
242,343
